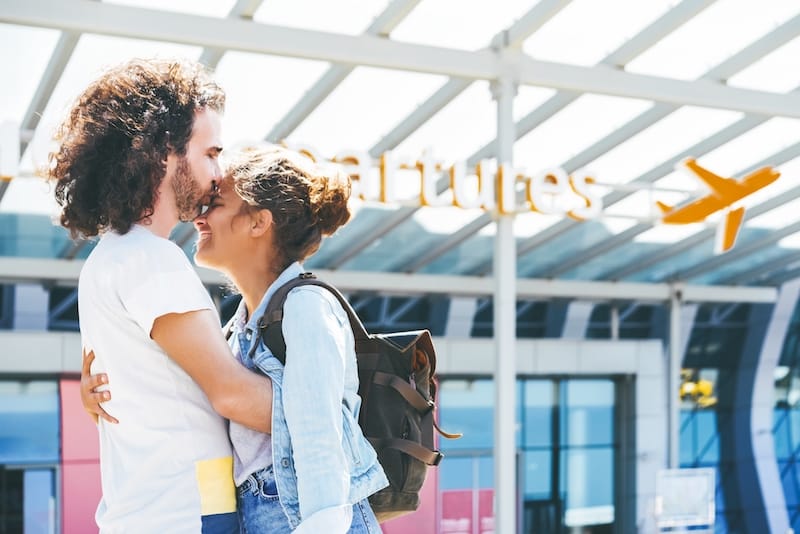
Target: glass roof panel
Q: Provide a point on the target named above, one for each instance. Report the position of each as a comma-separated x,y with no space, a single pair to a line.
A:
29,195
255,102
775,72
30,236
776,218
666,270
528,224
463,24
365,218
462,259
575,35
529,98
573,242
350,17
363,108
426,229
659,142
32,49
669,233
458,130
570,130
711,37
673,267
741,265
444,220
791,241
621,257
208,8
750,148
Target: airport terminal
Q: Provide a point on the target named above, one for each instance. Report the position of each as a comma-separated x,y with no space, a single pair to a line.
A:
594,207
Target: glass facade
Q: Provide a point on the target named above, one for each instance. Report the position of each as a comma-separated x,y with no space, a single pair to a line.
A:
711,362
786,423
29,452
567,454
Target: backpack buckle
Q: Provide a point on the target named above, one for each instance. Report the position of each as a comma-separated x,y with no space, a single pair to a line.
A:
307,276
437,459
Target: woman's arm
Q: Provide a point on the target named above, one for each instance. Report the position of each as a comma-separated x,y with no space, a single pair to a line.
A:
318,341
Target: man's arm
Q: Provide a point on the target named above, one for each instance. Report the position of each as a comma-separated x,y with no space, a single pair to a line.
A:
195,342
91,395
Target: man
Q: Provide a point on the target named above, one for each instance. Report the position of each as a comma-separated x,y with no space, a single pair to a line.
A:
139,152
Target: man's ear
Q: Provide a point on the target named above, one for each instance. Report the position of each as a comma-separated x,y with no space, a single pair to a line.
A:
260,222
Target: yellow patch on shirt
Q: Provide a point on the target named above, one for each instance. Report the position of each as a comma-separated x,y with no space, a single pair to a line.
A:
215,482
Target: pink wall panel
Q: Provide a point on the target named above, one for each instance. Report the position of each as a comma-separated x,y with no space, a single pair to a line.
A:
80,470
78,433
81,493
423,521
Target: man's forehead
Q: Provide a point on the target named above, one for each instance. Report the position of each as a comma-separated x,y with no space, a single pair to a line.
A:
207,128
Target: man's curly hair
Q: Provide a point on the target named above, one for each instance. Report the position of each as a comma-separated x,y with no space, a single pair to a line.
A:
116,137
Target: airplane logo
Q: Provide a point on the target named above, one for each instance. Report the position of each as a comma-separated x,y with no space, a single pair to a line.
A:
724,193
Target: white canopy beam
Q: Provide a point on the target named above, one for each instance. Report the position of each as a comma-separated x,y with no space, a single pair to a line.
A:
47,83
243,9
86,16
65,273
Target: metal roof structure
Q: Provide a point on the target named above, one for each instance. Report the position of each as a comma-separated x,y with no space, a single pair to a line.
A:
624,89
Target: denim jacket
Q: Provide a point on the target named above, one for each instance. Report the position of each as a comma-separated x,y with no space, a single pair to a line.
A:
320,457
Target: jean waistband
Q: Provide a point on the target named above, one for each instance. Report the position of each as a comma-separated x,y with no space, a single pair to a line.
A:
255,480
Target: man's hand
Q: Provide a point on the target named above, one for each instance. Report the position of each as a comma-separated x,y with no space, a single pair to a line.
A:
90,396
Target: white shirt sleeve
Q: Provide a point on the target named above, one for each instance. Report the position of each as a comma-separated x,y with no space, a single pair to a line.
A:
162,282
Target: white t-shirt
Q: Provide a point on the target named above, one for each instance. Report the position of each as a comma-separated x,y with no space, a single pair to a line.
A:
168,461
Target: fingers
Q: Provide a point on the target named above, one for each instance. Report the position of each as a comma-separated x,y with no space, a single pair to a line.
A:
88,358
92,382
90,397
104,415
91,403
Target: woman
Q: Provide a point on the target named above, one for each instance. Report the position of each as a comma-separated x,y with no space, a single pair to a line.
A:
316,470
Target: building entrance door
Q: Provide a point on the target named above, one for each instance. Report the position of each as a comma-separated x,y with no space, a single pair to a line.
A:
27,500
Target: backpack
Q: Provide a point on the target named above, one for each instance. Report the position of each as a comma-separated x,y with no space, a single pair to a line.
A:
397,390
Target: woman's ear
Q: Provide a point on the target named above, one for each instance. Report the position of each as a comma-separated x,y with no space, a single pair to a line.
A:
260,222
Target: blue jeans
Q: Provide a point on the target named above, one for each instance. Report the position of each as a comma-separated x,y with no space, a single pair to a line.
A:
220,524
261,511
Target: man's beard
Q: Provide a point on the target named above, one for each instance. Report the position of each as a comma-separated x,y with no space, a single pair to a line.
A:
187,191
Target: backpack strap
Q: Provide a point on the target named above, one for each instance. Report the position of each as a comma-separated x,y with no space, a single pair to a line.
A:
269,325
415,450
